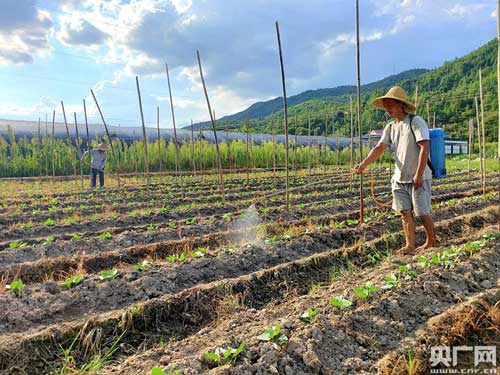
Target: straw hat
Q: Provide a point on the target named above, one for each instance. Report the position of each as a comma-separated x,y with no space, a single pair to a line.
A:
396,93
103,147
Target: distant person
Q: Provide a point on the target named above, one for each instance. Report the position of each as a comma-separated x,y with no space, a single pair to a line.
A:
411,182
97,162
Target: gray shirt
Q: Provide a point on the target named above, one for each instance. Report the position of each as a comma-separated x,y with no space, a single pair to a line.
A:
98,158
406,149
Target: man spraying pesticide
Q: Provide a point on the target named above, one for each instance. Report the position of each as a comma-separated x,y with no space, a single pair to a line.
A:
411,182
97,162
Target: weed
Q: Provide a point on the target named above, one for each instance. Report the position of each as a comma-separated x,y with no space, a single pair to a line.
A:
222,356
410,363
273,333
16,286
108,274
308,315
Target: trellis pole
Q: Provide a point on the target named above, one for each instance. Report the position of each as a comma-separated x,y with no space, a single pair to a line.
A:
69,140
144,136
351,115
86,125
309,142
192,148
274,142
480,149
483,159
78,151
159,137
358,94
178,171
53,145
470,144
219,161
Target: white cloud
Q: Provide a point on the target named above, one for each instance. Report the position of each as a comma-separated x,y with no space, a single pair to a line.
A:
24,32
78,31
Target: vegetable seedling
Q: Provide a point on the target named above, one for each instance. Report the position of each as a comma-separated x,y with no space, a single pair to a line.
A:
75,237
16,286
105,236
341,303
108,274
72,281
49,241
49,222
152,227
17,244
222,356
308,315
142,266
273,333
391,281
365,291
199,253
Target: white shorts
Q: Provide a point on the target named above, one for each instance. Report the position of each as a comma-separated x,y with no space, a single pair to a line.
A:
405,197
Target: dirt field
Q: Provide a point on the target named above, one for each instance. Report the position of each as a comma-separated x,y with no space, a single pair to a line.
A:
122,281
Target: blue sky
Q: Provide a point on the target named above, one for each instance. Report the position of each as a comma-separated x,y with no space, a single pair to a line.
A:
53,50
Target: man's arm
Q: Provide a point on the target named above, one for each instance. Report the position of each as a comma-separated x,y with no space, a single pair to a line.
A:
425,150
374,154
84,155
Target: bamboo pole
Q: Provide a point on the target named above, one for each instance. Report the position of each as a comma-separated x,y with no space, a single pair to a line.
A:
285,116
247,153
202,164
86,124
483,159
469,144
352,134
295,150
159,136
69,139
144,136
109,139
78,150
325,144
478,136
178,171
274,142
219,162
39,146
192,148
46,154
309,142
358,95
228,148
53,145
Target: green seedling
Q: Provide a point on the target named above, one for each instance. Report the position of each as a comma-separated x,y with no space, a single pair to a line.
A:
323,228
352,223
218,204
16,286
199,253
172,225
191,221
407,272
152,227
308,315
392,216
108,274
302,205
273,333
365,291
229,249
142,266
17,244
75,237
339,225
105,236
222,356
265,210
450,257
391,281
72,281
163,210
306,232
36,211
113,216
491,236
52,208
341,303
227,217
176,257
159,371
49,241
49,222
27,225
270,240
286,237
474,246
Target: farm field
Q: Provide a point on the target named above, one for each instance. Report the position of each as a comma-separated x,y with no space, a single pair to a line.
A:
169,280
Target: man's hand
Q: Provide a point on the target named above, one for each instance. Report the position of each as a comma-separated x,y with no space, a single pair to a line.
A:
360,168
418,181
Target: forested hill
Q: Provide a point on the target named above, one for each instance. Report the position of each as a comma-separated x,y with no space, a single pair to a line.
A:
449,91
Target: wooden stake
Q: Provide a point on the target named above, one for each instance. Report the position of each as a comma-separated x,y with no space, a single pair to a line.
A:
68,139
78,150
86,125
274,142
53,145
478,136
358,95
159,137
219,162
352,133
285,116
309,142
144,135
177,159
192,148
483,159
326,144
247,163
109,139
469,144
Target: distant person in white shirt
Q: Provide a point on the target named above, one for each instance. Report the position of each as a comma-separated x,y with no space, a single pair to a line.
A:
411,182
97,163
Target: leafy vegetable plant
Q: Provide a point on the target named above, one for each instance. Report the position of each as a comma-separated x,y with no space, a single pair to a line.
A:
72,281
308,315
365,291
341,303
105,236
16,286
222,356
273,333
108,274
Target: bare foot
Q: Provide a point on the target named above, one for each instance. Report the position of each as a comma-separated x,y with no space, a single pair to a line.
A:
424,247
406,250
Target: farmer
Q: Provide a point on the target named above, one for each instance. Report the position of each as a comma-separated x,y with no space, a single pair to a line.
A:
411,182
97,162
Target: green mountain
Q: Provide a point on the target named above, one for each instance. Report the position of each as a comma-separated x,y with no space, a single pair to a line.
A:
447,91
